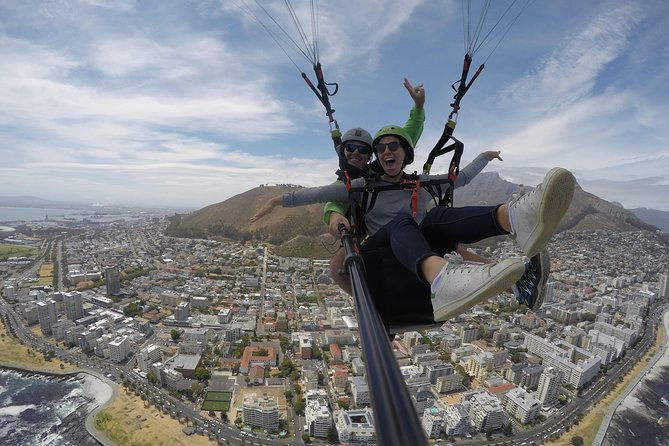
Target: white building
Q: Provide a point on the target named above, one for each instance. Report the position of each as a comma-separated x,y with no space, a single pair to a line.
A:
360,391
317,415
521,405
486,412
74,307
433,422
119,349
664,285
578,365
147,356
456,420
355,426
46,314
261,411
550,383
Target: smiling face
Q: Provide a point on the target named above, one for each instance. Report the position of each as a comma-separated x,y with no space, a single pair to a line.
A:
352,151
391,155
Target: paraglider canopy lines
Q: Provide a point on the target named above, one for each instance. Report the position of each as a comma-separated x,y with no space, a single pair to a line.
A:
478,36
302,44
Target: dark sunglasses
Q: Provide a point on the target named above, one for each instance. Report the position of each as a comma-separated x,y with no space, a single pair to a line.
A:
392,146
350,147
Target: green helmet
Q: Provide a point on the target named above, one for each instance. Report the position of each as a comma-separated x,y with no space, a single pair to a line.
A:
399,132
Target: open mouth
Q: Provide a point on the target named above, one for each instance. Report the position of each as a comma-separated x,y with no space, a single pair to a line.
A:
389,162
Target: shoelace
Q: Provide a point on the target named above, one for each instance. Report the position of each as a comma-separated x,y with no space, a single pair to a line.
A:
456,264
527,283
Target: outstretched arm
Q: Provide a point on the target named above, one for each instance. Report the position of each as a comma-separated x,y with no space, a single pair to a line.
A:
472,169
267,208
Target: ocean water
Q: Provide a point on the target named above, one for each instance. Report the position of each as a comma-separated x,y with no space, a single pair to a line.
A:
14,214
32,408
646,423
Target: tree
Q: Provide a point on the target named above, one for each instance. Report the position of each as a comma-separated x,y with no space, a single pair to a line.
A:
202,374
577,441
175,334
508,429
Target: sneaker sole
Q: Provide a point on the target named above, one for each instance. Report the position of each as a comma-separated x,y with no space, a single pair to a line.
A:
497,285
559,185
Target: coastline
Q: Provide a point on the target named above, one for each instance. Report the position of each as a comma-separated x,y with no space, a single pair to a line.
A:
653,372
96,387
103,393
628,399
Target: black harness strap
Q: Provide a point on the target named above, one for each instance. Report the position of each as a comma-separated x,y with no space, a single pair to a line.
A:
323,93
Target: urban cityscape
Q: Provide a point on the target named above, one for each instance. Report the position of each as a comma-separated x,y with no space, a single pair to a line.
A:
245,347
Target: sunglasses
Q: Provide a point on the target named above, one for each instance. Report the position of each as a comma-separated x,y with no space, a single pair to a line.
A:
392,146
350,147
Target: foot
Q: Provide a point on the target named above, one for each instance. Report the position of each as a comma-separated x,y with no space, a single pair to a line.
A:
535,215
530,289
461,285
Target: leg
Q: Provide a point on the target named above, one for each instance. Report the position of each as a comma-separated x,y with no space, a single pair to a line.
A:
456,286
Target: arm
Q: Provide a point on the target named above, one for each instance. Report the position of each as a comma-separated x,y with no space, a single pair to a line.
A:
414,125
267,208
311,195
333,207
472,169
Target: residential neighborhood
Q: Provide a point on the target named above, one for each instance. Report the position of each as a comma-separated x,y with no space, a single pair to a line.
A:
271,347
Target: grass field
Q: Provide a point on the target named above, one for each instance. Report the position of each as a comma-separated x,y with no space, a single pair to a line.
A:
15,354
46,274
217,401
11,250
129,421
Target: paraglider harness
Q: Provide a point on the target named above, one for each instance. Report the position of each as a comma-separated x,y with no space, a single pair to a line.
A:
391,283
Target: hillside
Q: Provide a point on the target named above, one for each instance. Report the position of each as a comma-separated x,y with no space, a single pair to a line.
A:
295,231
301,231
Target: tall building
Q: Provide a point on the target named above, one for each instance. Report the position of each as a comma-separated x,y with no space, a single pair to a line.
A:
664,285
486,412
261,412
182,311
317,415
550,383
550,292
119,349
113,280
74,308
47,316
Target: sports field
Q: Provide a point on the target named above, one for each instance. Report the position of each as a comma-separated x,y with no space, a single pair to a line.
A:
217,401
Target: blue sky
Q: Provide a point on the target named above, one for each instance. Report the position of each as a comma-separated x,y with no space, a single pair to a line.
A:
187,103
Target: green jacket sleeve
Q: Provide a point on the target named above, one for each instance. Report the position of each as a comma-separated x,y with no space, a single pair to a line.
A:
339,207
414,125
333,206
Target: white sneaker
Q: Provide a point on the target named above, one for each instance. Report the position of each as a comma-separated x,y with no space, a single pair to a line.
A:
461,285
535,215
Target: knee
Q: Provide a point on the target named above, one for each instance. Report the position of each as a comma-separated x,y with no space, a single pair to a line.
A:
402,219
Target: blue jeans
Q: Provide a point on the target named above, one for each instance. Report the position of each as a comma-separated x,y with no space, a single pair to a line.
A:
440,232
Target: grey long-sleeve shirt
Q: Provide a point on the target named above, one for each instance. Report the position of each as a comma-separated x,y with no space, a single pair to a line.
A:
389,202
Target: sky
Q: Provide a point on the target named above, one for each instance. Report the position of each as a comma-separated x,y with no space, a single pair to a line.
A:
185,103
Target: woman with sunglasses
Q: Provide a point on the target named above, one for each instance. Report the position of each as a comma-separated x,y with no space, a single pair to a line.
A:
357,149
422,243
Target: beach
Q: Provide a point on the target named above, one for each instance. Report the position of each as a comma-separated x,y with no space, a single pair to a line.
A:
643,414
102,393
